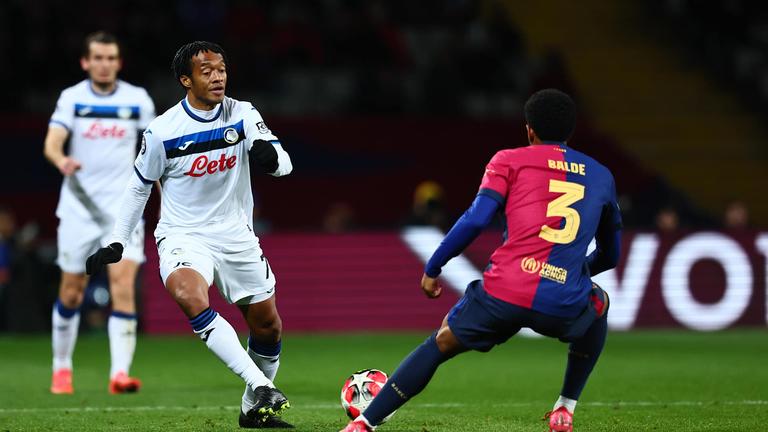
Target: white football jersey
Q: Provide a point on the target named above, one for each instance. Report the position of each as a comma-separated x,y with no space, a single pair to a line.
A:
201,160
103,136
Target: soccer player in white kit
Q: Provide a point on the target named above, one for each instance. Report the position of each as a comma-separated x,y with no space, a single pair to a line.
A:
200,151
101,117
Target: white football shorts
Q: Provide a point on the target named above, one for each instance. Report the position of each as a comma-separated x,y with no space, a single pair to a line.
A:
232,258
78,238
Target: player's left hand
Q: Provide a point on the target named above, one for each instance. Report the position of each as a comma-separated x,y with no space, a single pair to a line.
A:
106,255
68,166
431,287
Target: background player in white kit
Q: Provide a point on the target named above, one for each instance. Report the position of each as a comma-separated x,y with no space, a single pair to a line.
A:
101,117
200,151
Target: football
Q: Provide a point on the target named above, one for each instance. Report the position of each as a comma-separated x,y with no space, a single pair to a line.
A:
360,389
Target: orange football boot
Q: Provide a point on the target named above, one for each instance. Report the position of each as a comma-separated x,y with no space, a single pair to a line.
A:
357,426
560,420
61,382
122,383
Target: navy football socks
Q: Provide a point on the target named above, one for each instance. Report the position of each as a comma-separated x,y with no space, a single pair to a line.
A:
415,372
582,356
409,379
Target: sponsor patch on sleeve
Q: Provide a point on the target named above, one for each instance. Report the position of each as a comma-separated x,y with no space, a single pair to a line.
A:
263,129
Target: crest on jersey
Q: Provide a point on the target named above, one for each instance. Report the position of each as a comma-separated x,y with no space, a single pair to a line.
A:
530,265
231,136
263,128
124,112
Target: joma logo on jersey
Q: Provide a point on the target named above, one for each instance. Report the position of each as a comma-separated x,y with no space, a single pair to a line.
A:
97,130
202,166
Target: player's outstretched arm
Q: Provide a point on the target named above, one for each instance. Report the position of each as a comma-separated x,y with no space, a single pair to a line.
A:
134,201
464,231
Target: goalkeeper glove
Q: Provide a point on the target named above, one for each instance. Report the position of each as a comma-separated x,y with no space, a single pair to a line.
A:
106,255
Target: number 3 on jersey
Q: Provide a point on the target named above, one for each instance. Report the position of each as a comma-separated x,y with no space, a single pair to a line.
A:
559,207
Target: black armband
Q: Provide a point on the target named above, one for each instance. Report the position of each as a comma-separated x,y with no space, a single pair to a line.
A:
265,155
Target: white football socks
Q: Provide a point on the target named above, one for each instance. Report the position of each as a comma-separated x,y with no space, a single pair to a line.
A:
64,337
268,365
569,404
221,338
122,342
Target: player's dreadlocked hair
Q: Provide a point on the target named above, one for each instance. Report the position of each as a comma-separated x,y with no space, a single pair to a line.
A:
182,61
551,114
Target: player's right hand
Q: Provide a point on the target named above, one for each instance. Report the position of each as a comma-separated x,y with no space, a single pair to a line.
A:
431,287
68,166
106,255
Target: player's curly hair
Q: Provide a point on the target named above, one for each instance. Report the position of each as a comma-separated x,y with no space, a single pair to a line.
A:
182,61
551,114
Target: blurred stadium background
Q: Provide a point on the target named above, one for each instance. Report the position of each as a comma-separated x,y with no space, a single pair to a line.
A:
390,110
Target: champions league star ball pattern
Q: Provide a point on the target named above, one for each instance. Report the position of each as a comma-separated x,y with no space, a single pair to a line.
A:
360,389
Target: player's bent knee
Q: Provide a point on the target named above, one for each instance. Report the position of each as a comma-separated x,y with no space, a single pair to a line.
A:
447,342
71,299
188,292
269,331
263,320
72,289
71,296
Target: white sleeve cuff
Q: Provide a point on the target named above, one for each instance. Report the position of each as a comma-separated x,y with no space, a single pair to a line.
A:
284,164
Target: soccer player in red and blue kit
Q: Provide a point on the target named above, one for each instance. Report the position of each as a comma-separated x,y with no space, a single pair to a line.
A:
555,200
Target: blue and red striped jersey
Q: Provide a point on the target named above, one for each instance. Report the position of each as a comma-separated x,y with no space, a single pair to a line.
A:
554,199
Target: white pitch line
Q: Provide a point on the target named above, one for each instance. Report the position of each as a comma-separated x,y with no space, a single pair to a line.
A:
417,405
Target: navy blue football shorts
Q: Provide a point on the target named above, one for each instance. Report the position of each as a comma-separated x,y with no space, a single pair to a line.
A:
480,321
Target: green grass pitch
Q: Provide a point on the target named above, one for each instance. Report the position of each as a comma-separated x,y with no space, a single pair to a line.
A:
645,381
